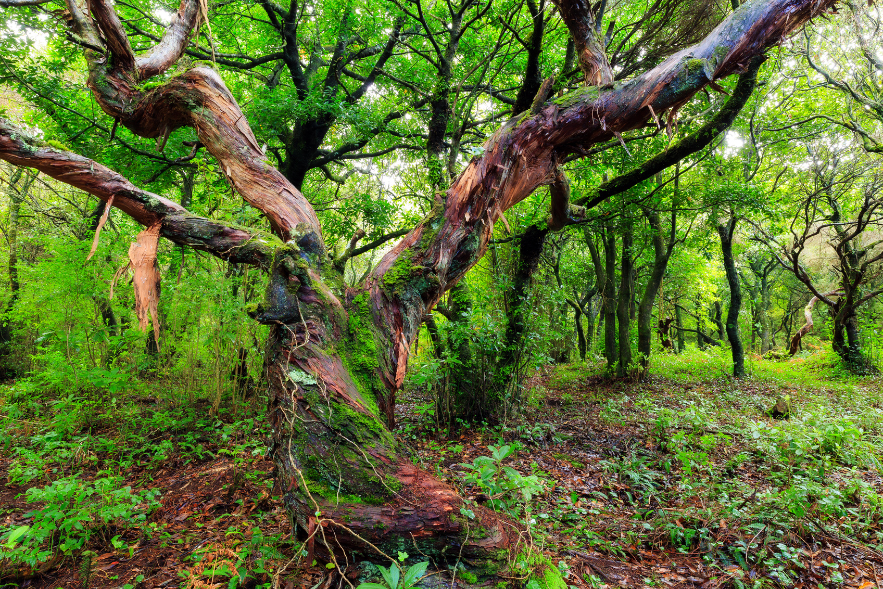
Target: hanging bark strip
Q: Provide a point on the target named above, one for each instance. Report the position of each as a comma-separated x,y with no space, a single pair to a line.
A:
142,255
336,356
101,223
807,327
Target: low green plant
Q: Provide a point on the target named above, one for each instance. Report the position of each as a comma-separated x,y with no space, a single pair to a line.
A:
507,489
73,512
393,578
633,470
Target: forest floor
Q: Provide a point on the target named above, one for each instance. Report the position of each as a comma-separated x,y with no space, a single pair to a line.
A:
682,480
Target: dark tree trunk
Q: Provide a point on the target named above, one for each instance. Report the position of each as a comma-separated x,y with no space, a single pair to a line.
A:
611,351
726,231
717,318
533,76
623,314
680,335
529,252
764,312
580,334
592,309
661,254
337,356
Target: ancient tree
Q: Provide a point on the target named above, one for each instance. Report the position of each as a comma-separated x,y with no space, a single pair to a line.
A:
337,355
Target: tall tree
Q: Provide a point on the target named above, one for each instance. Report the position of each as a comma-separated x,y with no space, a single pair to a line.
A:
726,229
337,356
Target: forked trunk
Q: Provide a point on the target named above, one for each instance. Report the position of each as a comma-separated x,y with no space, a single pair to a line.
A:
344,478
623,307
337,356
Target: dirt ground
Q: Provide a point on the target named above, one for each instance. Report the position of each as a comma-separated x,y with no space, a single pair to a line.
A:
585,521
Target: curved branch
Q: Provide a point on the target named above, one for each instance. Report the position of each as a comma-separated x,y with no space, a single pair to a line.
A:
178,225
174,42
807,315
685,147
523,153
199,99
352,251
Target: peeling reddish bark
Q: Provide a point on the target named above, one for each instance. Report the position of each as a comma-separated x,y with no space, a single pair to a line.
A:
337,356
807,327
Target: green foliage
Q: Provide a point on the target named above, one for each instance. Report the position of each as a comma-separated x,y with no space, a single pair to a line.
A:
74,511
394,579
507,489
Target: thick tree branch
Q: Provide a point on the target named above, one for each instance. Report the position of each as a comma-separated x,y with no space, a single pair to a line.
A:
523,153
17,3
683,148
148,209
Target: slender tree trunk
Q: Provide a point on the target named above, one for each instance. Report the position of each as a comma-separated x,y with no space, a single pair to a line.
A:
533,76
717,319
623,314
590,326
765,327
726,231
16,196
529,252
661,255
680,336
580,334
611,351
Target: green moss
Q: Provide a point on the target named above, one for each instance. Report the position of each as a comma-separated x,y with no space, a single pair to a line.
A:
58,145
392,483
468,577
542,573
319,489
396,279
360,352
586,94
150,85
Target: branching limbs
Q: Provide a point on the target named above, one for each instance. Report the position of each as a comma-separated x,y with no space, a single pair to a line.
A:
197,98
176,223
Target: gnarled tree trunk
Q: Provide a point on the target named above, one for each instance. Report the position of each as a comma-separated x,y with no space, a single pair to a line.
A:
338,355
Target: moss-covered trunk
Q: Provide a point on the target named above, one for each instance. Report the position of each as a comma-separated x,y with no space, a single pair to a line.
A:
344,477
337,357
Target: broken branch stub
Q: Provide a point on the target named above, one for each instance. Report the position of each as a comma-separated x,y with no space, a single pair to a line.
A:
142,255
101,223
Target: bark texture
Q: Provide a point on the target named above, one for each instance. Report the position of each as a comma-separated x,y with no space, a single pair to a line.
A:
726,231
337,355
794,346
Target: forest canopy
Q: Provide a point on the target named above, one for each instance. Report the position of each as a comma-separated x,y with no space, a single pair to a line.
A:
337,210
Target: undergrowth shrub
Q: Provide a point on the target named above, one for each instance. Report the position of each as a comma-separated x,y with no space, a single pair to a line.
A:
507,489
74,512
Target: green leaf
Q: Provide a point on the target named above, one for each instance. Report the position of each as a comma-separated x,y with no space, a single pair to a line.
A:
391,575
17,533
413,575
